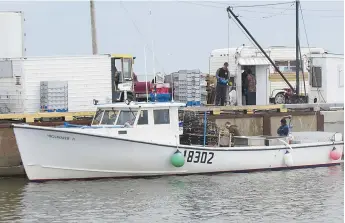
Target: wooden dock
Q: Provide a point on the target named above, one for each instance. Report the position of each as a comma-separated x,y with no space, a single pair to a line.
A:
247,109
65,116
250,109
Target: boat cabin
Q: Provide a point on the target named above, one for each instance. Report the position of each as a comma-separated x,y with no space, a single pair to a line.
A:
144,121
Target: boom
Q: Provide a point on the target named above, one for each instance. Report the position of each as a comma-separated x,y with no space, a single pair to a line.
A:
257,44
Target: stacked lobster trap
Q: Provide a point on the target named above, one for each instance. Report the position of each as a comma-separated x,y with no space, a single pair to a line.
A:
189,86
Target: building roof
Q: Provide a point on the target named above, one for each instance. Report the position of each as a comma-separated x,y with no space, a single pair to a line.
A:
253,61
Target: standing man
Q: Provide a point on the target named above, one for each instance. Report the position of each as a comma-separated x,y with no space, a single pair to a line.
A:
251,90
244,87
222,76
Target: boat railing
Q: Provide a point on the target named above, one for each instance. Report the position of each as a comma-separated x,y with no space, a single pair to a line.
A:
68,125
260,140
104,127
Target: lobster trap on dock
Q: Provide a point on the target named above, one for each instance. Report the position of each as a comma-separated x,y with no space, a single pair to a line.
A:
213,125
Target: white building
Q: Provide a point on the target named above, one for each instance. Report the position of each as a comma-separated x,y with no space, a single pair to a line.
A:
12,34
269,82
326,81
88,77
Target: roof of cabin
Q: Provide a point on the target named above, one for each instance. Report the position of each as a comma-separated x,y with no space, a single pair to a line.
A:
142,105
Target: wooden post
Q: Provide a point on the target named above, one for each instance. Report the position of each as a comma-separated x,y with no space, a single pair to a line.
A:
266,125
93,27
320,122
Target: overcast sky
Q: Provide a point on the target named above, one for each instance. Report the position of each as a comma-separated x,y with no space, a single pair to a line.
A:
184,33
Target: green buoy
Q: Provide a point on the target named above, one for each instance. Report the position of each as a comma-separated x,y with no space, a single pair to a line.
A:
177,159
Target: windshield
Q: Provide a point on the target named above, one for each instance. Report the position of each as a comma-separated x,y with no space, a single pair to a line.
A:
118,67
127,71
97,118
126,117
109,117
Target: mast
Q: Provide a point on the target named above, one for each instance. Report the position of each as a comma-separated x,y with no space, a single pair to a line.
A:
297,49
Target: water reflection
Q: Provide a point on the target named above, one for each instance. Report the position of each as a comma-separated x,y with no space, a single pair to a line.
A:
309,195
11,194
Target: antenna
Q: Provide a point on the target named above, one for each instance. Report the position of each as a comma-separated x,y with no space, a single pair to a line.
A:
153,51
145,61
172,87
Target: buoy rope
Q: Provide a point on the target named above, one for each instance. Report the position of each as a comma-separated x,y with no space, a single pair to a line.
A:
285,143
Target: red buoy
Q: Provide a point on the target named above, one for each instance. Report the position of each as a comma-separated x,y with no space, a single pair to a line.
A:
334,154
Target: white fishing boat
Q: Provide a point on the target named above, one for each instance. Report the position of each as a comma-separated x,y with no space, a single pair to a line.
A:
142,139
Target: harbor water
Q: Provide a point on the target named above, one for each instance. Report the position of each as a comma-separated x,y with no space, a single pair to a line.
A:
305,195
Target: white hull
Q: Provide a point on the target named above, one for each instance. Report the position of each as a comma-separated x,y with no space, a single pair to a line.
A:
52,154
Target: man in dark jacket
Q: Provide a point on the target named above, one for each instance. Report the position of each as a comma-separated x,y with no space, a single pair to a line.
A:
222,84
283,130
244,87
251,88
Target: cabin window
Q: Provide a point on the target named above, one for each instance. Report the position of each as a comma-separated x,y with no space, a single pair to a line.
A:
126,117
127,65
143,117
118,67
161,116
97,118
109,117
316,77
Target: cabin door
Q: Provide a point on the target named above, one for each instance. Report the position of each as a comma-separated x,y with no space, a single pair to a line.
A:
262,85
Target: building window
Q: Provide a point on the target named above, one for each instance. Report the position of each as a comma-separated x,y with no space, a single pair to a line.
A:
292,66
143,118
161,116
286,66
316,77
282,65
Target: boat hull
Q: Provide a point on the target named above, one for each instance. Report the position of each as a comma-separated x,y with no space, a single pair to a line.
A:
60,154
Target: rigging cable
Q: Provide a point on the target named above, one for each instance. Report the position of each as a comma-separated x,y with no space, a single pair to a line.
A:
250,40
278,8
239,88
312,73
140,33
251,6
264,12
229,42
279,13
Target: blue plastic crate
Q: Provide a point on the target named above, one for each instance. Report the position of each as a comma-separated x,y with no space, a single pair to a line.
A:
193,103
160,97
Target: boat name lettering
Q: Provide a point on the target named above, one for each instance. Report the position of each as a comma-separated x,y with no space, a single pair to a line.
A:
198,156
60,137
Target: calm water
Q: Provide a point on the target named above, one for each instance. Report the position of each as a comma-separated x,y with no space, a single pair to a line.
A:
308,195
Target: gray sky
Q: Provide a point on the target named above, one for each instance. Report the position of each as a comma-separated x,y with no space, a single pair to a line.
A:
184,33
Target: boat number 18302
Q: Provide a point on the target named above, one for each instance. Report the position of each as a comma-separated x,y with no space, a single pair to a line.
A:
198,157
